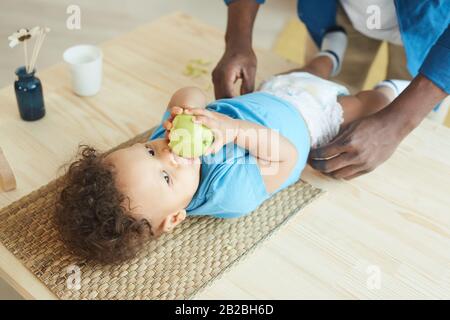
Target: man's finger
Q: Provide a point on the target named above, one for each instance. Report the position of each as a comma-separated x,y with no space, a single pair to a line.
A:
349,171
223,90
331,150
360,173
333,164
248,81
224,84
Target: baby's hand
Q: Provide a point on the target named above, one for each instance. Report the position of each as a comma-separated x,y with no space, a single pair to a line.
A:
224,128
174,111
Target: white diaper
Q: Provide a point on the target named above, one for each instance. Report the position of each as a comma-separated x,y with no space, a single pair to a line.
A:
315,99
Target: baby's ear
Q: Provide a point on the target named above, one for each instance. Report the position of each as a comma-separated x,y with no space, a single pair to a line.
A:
172,220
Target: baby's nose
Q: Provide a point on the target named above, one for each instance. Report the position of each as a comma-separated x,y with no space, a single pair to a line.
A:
170,157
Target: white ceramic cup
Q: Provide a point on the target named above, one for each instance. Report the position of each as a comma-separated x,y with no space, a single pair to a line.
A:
85,63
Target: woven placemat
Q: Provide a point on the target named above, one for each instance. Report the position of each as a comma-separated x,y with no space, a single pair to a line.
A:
175,266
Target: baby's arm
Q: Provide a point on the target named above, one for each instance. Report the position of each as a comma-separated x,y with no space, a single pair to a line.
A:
276,155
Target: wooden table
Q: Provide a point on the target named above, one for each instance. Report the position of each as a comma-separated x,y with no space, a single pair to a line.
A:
383,235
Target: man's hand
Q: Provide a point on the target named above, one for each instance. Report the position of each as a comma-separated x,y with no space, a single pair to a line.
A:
239,60
236,63
367,143
359,149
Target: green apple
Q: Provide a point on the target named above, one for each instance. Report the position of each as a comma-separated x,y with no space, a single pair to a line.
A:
189,139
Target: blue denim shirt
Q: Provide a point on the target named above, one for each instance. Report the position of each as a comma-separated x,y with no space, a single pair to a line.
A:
424,28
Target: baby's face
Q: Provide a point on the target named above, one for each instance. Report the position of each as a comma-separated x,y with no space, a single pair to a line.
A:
157,181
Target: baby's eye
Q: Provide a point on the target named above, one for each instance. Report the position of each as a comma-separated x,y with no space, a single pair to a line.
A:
166,177
150,151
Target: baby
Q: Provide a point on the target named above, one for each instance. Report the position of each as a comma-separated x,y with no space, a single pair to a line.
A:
111,203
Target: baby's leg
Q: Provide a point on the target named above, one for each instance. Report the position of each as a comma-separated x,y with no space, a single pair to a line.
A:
321,66
365,103
327,62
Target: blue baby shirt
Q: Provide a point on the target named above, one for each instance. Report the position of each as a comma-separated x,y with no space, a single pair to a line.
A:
231,184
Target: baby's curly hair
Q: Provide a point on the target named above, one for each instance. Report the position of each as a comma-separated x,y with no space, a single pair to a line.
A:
91,214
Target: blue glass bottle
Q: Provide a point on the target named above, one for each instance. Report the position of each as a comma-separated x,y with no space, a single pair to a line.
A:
29,95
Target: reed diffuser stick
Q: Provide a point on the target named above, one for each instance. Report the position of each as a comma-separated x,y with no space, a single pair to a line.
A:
37,47
26,55
33,55
23,35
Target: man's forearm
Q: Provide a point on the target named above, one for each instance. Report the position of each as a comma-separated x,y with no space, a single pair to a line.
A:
241,17
263,143
412,106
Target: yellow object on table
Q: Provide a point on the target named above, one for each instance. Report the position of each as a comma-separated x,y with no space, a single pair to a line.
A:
7,179
394,221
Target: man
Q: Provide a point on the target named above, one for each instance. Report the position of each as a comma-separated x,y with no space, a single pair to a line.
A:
422,27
